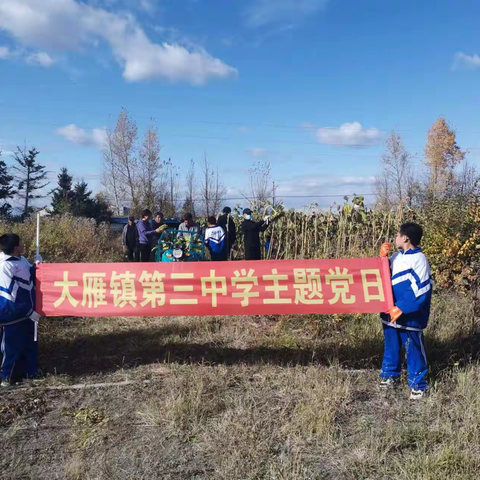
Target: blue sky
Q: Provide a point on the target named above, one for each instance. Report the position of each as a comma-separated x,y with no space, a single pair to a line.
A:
312,86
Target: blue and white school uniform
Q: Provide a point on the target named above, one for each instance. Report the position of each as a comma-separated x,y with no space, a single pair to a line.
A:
412,292
17,303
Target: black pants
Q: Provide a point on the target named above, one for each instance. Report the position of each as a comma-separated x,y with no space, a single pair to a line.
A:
131,254
144,253
253,254
222,257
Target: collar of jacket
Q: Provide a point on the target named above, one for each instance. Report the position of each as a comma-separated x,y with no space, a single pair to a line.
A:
8,258
412,251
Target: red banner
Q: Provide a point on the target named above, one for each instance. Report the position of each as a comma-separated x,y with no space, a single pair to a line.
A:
359,285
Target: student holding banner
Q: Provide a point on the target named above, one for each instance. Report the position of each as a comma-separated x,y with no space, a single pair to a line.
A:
17,312
404,324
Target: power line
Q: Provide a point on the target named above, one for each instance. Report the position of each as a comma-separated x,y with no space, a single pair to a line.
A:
281,197
229,138
262,125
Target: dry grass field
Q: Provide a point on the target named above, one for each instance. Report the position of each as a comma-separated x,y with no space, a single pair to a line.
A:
242,398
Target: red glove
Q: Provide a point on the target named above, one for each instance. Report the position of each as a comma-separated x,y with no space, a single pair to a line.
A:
395,314
384,249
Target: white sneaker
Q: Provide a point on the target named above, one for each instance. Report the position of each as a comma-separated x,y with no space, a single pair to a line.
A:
5,383
417,394
389,382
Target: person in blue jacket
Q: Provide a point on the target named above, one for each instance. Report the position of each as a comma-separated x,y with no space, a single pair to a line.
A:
17,312
404,325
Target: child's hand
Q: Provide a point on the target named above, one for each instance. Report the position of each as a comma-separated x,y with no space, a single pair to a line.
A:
384,249
395,314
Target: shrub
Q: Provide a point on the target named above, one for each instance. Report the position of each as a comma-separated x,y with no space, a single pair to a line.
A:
68,239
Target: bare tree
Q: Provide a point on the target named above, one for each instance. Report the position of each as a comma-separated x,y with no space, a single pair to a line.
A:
261,188
382,191
110,175
393,184
124,148
219,193
150,168
468,180
212,189
190,190
168,190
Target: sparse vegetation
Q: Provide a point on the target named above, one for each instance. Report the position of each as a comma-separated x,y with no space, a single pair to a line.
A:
247,398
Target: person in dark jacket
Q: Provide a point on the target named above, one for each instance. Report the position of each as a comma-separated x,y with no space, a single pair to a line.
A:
251,235
156,223
130,239
225,221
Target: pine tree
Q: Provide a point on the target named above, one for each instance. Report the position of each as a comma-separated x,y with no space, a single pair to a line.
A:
31,177
6,189
101,210
63,196
82,202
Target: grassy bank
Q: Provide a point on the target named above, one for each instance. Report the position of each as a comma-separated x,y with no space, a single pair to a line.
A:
247,398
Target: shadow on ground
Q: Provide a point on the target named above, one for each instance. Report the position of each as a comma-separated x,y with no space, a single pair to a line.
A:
109,352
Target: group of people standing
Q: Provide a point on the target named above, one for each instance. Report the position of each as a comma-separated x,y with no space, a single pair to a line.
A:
140,237
403,325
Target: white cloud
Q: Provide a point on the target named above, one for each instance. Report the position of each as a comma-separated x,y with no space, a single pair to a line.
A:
4,53
147,5
68,25
258,152
42,59
80,136
265,12
462,61
349,135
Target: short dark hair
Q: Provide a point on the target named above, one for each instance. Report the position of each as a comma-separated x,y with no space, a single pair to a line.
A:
159,214
8,242
131,218
227,210
212,220
188,216
146,213
413,231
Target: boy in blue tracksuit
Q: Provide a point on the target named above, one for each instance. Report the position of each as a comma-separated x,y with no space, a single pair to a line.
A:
216,241
403,326
17,312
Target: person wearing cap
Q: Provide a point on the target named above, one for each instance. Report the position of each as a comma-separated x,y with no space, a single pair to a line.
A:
130,239
251,235
225,221
187,227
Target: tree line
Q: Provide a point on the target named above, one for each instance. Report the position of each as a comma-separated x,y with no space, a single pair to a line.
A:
408,180
26,180
135,176
133,173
